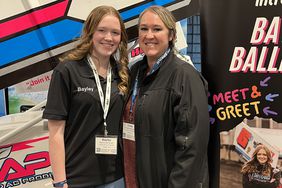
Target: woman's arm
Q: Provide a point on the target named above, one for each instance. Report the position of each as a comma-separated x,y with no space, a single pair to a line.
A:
57,149
191,131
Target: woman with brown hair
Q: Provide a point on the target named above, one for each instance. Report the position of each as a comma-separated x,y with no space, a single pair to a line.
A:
258,172
85,103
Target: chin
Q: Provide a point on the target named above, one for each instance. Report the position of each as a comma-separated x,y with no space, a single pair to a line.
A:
151,54
107,53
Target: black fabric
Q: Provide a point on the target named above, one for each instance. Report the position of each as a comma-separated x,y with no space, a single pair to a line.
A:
171,125
73,96
258,180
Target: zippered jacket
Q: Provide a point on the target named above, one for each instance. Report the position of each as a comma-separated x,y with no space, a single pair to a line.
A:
171,125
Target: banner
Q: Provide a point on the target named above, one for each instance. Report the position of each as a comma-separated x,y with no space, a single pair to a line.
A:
25,164
24,158
33,34
241,60
35,84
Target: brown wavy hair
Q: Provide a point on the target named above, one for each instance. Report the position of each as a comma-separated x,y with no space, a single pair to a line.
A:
251,166
85,44
167,18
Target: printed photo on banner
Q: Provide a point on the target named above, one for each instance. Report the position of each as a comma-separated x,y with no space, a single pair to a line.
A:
240,145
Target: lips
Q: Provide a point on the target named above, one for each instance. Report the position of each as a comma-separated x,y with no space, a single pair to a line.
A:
108,45
150,43
262,160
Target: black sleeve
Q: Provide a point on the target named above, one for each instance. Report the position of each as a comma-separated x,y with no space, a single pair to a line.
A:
191,129
277,176
245,180
58,95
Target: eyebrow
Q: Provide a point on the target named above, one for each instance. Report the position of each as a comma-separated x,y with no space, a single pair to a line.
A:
103,27
153,25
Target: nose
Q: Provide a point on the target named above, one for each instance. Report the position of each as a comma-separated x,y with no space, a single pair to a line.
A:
108,36
149,34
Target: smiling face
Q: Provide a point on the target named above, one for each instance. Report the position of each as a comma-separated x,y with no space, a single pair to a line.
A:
262,156
106,37
154,36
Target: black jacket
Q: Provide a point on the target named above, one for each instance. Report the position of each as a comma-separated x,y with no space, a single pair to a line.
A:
172,125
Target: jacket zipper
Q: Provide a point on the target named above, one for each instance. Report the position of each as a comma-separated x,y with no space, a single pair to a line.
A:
139,107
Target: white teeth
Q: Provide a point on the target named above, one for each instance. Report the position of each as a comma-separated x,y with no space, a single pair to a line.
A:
109,45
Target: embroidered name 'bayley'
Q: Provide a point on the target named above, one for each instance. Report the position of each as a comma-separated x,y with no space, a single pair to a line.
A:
85,89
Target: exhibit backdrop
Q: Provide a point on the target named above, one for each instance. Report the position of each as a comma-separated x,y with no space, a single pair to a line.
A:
241,60
34,33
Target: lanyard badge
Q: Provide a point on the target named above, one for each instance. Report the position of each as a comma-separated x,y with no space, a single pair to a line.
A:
104,144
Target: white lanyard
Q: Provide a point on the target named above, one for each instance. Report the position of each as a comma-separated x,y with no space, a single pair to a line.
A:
105,102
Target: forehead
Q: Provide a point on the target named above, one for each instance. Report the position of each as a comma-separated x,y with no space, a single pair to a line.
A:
109,21
261,151
151,18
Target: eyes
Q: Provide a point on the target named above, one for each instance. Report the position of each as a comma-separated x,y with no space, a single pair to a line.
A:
154,29
104,31
261,155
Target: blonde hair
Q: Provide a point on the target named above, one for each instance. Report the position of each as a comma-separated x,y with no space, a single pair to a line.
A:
251,166
167,18
85,44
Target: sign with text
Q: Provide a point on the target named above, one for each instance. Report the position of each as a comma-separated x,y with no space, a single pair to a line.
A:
25,164
241,60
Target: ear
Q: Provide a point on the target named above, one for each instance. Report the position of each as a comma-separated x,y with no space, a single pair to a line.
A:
171,36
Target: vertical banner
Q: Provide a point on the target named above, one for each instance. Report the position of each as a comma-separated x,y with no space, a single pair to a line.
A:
241,59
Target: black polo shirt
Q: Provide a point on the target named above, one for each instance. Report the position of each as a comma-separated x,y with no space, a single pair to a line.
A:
73,96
